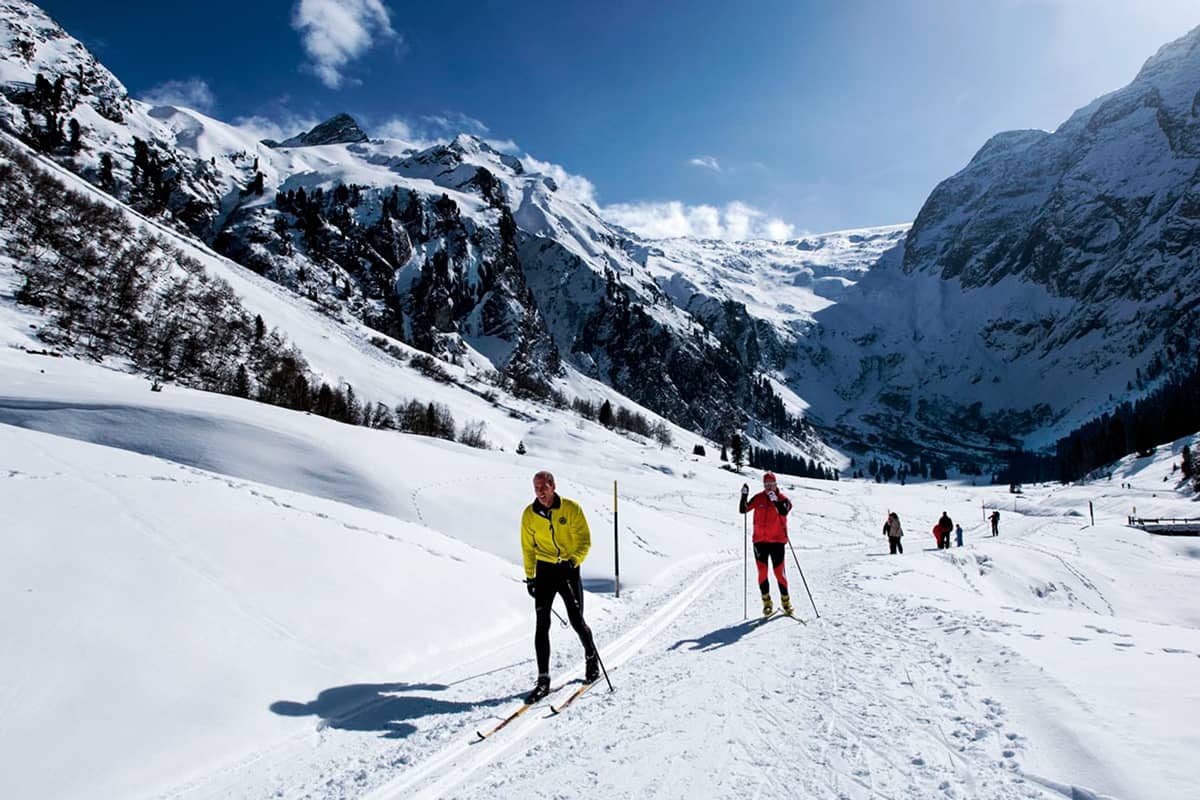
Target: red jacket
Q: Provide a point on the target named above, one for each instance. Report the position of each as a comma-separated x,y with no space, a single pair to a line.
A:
769,524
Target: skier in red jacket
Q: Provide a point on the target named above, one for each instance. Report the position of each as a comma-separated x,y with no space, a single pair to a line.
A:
770,508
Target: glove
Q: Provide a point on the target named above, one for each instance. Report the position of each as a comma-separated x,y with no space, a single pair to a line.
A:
771,496
745,490
529,587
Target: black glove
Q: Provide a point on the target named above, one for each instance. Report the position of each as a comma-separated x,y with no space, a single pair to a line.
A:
745,490
530,588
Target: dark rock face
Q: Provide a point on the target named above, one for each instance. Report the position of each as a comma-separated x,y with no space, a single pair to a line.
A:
339,129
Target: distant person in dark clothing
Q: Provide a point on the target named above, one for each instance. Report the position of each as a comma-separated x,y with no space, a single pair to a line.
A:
944,528
958,534
893,531
995,518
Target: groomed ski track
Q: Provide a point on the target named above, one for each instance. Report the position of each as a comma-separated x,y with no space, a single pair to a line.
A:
461,759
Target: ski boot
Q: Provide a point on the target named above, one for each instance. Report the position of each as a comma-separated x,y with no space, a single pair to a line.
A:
540,690
768,608
591,669
786,602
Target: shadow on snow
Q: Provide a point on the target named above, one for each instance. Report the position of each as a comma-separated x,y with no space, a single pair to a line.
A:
721,637
383,707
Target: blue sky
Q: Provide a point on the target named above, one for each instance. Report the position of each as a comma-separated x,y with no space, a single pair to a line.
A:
697,116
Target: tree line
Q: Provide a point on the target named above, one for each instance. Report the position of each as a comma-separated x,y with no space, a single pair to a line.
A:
1165,414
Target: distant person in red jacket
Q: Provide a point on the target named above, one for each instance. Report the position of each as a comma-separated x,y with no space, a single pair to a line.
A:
770,507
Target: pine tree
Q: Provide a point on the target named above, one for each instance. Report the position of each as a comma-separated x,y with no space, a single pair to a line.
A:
241,382
606,414
737,451
107,182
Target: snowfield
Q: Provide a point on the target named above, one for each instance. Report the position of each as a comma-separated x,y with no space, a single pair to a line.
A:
208,597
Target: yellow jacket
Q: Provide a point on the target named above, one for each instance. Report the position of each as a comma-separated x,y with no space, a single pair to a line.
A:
558,533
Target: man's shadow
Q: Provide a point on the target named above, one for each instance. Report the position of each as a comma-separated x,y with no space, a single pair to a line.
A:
721,637
379,707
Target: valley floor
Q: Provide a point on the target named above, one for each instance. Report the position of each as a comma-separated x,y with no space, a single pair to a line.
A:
175,632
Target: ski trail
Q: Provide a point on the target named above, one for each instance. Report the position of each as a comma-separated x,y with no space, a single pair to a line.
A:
867,703
460,759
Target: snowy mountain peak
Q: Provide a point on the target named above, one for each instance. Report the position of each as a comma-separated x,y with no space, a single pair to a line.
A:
1183,53
338,129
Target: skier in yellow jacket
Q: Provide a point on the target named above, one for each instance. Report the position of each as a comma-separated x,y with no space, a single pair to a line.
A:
555,540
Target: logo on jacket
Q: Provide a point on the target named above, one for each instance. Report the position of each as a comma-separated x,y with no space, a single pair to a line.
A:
562,520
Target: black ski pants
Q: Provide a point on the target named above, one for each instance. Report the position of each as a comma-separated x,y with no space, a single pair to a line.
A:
558,579
894,541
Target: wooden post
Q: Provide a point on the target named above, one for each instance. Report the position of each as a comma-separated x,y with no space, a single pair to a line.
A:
616,546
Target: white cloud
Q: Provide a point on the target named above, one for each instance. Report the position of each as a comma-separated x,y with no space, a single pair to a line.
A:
192,93
504,146
335,32
576,187
707,162
429,130
278,128
452,123
736,221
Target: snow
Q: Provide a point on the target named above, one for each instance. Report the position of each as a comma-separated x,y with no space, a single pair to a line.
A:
226,599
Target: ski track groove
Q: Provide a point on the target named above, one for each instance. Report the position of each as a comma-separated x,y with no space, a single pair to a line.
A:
456,762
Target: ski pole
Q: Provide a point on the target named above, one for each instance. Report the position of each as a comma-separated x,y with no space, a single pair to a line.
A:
596,650
802,580
560,617
745,569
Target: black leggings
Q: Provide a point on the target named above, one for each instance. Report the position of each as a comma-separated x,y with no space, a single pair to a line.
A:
550,580
894,541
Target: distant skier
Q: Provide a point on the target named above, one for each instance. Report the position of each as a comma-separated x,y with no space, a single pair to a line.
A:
555,540
893,531
958,534
771,508
995,518
943,529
